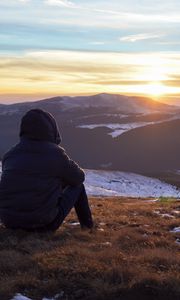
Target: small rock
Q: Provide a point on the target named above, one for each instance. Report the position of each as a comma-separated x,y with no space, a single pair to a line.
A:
178,241
106,244
102,224
20,297
59,296
176,212
100,229
175,230
73,223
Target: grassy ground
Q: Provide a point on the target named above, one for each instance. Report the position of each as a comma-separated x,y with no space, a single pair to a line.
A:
131,255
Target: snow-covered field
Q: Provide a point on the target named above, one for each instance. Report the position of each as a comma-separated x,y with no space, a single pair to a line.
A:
115,183
117,129
120,128
21,297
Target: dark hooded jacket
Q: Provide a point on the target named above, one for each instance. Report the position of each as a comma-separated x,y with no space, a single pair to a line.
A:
33,173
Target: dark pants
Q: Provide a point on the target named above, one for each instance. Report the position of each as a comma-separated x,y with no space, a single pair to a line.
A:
73,196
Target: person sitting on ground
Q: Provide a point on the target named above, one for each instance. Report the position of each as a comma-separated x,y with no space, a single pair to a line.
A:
40,184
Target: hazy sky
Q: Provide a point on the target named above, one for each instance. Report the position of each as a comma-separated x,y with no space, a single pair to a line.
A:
61,47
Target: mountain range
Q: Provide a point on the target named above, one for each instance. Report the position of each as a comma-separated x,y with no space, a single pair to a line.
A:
104,131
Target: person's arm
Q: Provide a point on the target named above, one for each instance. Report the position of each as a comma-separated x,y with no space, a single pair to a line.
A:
72,174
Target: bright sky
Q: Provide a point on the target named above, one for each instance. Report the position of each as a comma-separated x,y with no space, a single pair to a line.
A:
61,47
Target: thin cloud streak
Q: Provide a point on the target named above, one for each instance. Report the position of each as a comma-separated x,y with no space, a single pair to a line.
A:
64,3
89,72
139,37
118,16
97,43
24,1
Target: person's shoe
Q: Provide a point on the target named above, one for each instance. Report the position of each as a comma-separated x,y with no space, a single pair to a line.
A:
91,229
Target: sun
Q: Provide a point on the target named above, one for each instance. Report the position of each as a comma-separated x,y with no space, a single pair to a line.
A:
155,89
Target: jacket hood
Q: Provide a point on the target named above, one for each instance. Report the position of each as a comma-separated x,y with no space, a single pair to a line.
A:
40,125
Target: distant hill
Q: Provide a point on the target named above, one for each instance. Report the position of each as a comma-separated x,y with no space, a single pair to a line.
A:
107,131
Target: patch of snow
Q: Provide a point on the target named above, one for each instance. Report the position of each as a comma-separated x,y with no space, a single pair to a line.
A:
166,216
100,229
152,200
118,128
74,223
106,244
163,215
115,183
177,241
176,212
121,116
20,297
175,230
57,296
99,191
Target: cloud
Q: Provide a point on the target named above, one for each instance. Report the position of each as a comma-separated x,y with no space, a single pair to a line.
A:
24,1
139,37
97,43
78,72
105,17
172,83
65,3
119,82
174,80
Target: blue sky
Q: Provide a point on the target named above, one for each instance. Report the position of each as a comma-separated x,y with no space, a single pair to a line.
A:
48,31
89,25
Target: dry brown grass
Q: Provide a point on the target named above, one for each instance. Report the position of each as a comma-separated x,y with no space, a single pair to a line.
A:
130,255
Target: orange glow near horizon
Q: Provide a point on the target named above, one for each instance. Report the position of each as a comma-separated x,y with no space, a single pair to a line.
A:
41,74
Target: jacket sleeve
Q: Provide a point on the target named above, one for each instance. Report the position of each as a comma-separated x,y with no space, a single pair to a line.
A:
72,174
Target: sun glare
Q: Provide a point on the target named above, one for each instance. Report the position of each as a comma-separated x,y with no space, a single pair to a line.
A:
156,89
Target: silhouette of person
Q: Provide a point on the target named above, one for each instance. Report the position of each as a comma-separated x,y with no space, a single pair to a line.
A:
40,184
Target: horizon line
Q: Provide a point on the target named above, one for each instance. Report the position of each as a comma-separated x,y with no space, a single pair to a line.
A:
49,97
